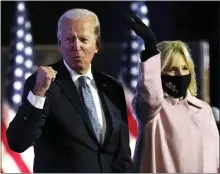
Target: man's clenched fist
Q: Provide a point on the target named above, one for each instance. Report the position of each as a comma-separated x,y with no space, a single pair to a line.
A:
45,75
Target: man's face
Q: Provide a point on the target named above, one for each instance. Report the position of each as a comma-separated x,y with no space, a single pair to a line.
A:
78,43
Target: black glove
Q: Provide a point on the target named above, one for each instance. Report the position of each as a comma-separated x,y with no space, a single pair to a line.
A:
146,34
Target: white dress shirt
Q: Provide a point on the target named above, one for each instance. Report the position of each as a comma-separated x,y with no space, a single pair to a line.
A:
38,101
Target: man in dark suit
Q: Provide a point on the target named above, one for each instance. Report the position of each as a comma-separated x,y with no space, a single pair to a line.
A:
74,116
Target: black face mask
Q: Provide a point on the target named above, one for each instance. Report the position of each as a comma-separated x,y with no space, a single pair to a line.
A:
176,86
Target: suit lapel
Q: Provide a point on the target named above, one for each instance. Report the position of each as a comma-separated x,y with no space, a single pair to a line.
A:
104,92
64,81
70,90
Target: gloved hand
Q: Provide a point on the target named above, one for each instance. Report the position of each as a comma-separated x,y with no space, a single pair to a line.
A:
146,34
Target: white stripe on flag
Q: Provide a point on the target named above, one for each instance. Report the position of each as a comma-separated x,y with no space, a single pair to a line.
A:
28,158
8,164
132,144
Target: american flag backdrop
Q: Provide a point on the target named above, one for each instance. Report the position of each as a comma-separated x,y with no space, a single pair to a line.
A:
20,66
130,71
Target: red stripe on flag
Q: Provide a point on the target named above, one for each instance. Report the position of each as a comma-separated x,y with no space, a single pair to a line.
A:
16,156
132,124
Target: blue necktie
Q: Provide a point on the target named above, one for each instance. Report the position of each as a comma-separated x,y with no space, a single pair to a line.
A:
90,105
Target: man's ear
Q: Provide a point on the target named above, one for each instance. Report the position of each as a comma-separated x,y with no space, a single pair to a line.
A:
59,45
59,42
98,43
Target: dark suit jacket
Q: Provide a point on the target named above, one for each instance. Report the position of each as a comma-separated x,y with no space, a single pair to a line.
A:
62,134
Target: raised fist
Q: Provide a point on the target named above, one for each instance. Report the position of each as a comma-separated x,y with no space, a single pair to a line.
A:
45,75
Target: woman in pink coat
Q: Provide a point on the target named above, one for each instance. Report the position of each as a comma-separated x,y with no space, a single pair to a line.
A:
177,131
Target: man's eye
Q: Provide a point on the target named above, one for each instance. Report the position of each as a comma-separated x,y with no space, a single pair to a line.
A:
70,39
84,40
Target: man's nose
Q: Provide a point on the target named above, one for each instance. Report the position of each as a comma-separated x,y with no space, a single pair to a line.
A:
77,44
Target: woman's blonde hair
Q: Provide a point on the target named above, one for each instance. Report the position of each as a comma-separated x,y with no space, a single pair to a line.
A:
169,51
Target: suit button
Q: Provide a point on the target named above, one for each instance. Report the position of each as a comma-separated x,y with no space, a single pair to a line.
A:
25,116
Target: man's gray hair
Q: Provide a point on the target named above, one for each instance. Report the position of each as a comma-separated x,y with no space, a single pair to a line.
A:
78,13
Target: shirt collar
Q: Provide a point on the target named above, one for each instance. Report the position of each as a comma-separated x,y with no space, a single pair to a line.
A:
74,75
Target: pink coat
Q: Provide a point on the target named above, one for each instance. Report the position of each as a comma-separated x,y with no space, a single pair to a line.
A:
174,135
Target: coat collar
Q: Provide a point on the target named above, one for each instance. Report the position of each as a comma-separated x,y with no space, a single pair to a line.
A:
193,101
188,100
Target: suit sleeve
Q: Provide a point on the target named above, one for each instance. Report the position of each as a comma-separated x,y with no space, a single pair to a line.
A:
27,125
124,161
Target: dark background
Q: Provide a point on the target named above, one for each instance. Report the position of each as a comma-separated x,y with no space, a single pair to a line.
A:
187,21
